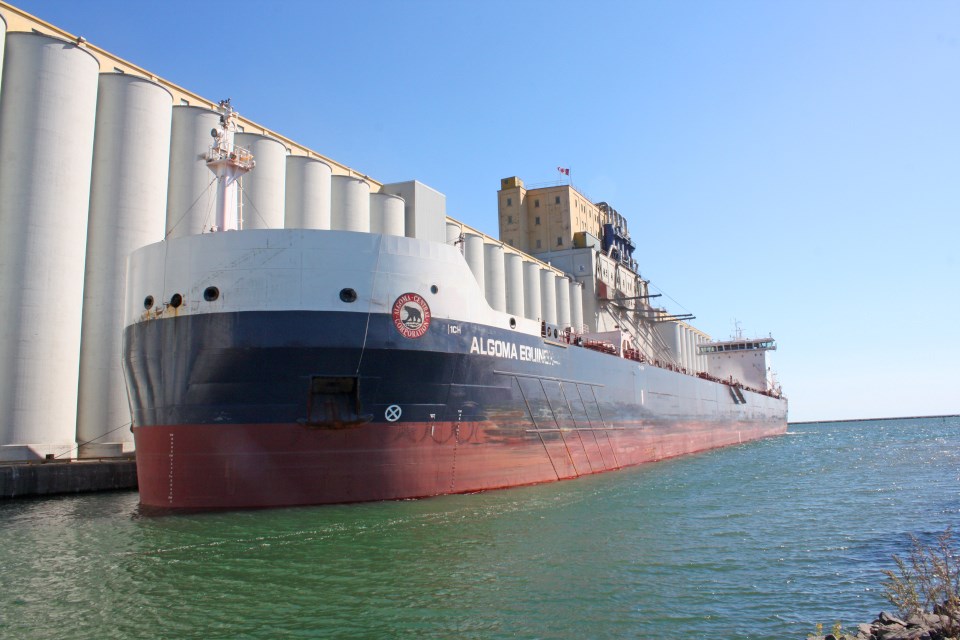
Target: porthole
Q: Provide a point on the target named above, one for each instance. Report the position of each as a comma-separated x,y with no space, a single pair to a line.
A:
211,293
513,323
348,295
176,300
148,302
434,289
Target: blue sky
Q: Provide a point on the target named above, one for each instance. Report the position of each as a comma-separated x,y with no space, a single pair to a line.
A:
790,165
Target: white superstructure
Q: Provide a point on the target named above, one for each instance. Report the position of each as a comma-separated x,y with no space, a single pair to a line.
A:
294,269
743,360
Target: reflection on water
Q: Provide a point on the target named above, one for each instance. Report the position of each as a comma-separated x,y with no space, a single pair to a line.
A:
759,541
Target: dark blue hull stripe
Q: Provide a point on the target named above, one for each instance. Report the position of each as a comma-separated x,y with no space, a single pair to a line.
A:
264,367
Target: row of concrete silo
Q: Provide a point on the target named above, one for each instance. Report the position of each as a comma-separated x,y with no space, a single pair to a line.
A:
92,166
519,286
692,341
683,342
285,191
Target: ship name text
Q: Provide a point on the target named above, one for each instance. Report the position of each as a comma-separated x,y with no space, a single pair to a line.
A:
510,350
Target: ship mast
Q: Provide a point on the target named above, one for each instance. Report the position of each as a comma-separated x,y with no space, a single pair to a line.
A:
228,162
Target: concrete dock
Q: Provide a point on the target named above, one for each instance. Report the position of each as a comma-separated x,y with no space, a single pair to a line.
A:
44,478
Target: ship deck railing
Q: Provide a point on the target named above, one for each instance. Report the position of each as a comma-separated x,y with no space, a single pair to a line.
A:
572,338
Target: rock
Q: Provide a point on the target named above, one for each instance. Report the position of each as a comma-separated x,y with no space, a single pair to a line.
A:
935,620
886,618
944,610
940,626
916,633
902,633
915,620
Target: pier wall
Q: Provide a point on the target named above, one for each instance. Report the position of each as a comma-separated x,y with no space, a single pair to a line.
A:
50,478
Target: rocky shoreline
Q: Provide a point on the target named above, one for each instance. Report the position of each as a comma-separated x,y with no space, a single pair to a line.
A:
938,625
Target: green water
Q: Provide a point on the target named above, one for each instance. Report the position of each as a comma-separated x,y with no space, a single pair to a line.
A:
757,541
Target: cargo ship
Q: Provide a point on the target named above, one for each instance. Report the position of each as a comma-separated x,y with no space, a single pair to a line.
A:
390,352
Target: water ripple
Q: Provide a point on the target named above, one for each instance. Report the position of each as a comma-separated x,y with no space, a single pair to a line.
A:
761,540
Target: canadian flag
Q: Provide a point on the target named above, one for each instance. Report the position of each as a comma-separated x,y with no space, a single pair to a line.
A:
565,172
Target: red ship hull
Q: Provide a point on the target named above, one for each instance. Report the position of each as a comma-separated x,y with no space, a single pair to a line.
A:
204,466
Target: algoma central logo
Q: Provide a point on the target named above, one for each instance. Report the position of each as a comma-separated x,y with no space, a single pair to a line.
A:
411,315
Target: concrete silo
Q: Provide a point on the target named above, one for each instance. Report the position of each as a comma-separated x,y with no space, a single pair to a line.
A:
576,306
3,36
548,295
532,304
495,276
262,190
307,188
453,232
513,265
350,204
387,214
47,113
563,301
191,191
473,254
128,197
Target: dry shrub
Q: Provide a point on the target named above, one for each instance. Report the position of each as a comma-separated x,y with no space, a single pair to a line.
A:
928,580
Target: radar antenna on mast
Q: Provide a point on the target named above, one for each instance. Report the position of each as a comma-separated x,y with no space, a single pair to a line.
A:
228,162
